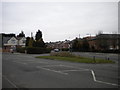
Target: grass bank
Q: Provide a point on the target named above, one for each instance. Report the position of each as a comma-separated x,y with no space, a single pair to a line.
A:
76,59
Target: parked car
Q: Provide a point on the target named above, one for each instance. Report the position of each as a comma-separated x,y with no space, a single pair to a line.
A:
55,50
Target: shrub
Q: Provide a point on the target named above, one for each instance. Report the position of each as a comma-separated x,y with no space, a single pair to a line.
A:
21,49
62,54
37,50
65,49
34,50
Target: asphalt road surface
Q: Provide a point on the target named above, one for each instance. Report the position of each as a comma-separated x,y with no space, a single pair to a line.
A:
26,71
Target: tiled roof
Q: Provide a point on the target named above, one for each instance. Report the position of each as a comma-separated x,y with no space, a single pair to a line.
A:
110,36
5,39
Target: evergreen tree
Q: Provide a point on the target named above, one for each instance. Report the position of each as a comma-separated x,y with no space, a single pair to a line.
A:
27,41
38,35
38,40
21,34
85,45
75,44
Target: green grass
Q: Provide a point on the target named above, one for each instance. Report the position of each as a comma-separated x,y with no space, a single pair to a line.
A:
76,59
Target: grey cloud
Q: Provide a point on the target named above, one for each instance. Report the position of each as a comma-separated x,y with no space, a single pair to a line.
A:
59,21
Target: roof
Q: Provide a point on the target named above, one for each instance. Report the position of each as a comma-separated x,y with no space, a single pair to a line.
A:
5,39
18,38
110,36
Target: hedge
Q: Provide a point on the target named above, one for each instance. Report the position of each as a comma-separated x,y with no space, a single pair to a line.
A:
21,49
34,50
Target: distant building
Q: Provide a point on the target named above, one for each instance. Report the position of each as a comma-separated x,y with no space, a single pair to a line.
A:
104,42
108,41
59,44
12,42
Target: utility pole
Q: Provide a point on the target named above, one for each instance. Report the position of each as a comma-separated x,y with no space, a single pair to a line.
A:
31,34
79,36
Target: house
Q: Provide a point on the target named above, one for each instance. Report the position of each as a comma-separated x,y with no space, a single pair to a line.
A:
9,42
21,41
12,43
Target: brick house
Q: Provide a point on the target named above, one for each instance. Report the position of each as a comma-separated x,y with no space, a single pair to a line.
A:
104,42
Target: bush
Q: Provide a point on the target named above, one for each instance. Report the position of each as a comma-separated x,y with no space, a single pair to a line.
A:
62,54
34,50
21,49
65,49
37,50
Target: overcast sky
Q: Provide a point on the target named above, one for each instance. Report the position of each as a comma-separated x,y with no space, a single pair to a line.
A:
60,21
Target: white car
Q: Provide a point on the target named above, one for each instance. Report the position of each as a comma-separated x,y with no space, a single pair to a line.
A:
56,50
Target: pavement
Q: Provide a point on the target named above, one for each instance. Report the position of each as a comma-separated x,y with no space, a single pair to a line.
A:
106,56
0,70
26,71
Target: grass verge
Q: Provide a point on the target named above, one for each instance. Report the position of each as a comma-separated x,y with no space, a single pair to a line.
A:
76,59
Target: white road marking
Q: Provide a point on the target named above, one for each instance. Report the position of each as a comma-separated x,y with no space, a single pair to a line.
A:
52,70
51,65
0,76
29,61
20,62
17,53
93,74
94,78
83,69
9,81
38,62
72,70
62,71
74,67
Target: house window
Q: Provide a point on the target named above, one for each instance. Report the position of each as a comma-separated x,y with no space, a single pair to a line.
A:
13,41
23,41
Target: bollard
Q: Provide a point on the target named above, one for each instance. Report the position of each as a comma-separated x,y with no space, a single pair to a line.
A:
25,51
108,58
94,59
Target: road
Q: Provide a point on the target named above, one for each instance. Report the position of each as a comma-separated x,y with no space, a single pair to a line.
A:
26,71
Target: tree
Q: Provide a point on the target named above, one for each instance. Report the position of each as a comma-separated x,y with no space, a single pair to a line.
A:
39,43
102,43
21,34
74,44
27,41
38,35
30,44
85,45
38,40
